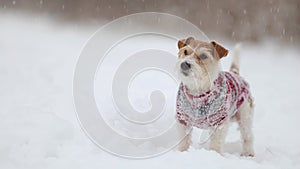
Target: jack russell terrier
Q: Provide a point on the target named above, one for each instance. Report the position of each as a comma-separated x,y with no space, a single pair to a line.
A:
209,98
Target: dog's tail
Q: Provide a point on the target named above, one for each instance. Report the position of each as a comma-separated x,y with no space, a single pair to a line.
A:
235,64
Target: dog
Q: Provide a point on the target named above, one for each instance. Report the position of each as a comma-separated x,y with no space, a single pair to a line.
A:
209,98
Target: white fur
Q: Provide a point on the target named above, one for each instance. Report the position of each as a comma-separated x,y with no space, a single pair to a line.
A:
185,132
198,81
244,117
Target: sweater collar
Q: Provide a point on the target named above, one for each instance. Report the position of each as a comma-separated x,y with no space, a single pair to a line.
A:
210,95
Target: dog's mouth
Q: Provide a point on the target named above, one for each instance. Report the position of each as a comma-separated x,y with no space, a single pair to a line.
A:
185,73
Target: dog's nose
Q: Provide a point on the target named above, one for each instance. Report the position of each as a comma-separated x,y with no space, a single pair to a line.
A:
185,66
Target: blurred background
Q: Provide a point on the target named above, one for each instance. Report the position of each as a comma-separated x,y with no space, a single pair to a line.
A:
41,40
232,19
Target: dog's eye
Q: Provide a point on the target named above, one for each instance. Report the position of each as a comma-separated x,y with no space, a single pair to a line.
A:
185,52
203,56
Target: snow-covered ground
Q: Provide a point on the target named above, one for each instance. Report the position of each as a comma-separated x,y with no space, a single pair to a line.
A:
39,128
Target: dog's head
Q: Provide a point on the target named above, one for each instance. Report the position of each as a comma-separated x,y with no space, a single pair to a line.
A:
198,63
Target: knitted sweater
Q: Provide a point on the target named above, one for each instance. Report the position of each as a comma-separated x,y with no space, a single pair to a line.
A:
212,108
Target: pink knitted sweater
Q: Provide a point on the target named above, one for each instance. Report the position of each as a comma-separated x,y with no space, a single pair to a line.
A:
212,108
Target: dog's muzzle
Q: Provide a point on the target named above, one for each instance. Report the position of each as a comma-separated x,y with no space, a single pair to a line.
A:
185,67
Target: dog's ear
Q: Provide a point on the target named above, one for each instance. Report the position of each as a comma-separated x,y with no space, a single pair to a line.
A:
183,42
220,50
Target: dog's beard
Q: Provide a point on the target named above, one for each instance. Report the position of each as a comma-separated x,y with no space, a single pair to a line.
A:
195,79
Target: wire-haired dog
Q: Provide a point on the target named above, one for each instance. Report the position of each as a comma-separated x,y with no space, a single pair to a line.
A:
209,98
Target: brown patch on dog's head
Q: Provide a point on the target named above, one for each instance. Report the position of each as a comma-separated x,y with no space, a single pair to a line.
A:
204,53
220,50
190,45
183,42
197,48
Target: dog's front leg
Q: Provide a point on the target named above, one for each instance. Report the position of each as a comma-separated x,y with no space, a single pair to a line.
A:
218,137
185,134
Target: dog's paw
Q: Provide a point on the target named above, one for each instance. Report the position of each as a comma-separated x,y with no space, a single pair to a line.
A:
183,147
248,151
216,149
248,154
